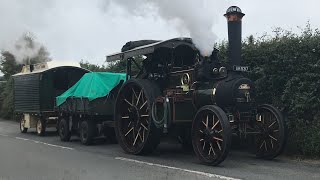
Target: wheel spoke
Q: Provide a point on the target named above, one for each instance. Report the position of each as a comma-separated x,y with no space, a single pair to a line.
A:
219,146
207,121
129,131
218,139
138,98
262,144
273,138
144,115
204,144
135,140
271,143
143,104
203,123
128,102
272,124
265,145
134,93
143,135
211,149
213,120
144,126
215,125
125,117
140,137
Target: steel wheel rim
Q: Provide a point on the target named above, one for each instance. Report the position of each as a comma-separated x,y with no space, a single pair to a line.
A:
39,126
209,138
269,141
22,125
134,117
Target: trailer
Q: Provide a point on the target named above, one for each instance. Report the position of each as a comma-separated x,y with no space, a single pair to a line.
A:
86,109
35,89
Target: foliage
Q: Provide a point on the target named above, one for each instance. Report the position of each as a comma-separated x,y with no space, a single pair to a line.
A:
8,65
92,67
6,98
286,71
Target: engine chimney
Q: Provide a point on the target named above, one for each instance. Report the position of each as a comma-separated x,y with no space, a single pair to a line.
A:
234,16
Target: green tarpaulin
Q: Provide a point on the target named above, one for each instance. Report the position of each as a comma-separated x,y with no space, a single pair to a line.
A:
92,86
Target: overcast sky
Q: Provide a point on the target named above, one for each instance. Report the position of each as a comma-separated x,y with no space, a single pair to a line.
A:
90,29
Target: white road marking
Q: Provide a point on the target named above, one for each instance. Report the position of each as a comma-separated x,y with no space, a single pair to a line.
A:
179,169
4,135
39,142
23,139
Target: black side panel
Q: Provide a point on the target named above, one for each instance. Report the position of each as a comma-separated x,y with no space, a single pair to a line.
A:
26,91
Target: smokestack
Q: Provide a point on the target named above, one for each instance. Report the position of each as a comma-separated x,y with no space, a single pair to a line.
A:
234,16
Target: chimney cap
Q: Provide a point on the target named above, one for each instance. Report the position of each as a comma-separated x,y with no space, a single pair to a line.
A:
234,10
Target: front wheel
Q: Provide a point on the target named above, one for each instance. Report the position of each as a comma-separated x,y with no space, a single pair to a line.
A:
211,135
22,128
272,138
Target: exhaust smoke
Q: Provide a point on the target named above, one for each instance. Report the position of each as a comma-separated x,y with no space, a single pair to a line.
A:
196,17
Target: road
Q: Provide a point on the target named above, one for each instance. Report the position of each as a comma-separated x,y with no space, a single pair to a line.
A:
29,157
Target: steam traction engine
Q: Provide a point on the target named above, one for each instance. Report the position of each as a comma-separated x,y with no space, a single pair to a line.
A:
181,93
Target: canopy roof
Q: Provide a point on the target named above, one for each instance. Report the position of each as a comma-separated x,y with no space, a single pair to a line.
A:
92,85
46,66
150,48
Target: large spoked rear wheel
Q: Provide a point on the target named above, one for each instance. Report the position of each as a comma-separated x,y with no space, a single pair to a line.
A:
134,127
270,143
211,135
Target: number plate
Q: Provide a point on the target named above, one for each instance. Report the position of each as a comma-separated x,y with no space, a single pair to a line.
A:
241,68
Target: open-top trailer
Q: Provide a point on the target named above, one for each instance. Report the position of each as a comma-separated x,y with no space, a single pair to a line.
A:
179,92
86,109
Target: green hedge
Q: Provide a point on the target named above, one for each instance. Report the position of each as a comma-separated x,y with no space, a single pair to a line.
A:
286,71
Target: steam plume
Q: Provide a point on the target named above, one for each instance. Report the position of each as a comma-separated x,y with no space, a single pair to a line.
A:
196,17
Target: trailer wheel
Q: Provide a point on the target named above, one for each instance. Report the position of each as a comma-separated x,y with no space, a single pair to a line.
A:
87,132
273,134
135,130
110,134
41,127
22,128
64,132
211,135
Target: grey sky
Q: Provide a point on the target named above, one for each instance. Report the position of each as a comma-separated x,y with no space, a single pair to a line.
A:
89,30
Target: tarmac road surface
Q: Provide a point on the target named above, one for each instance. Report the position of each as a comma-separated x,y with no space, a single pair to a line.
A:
29,157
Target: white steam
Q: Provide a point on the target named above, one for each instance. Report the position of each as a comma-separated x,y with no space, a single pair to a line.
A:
196,17
92,29
25,48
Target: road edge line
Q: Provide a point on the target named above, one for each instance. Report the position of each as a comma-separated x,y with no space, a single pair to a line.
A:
210,175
